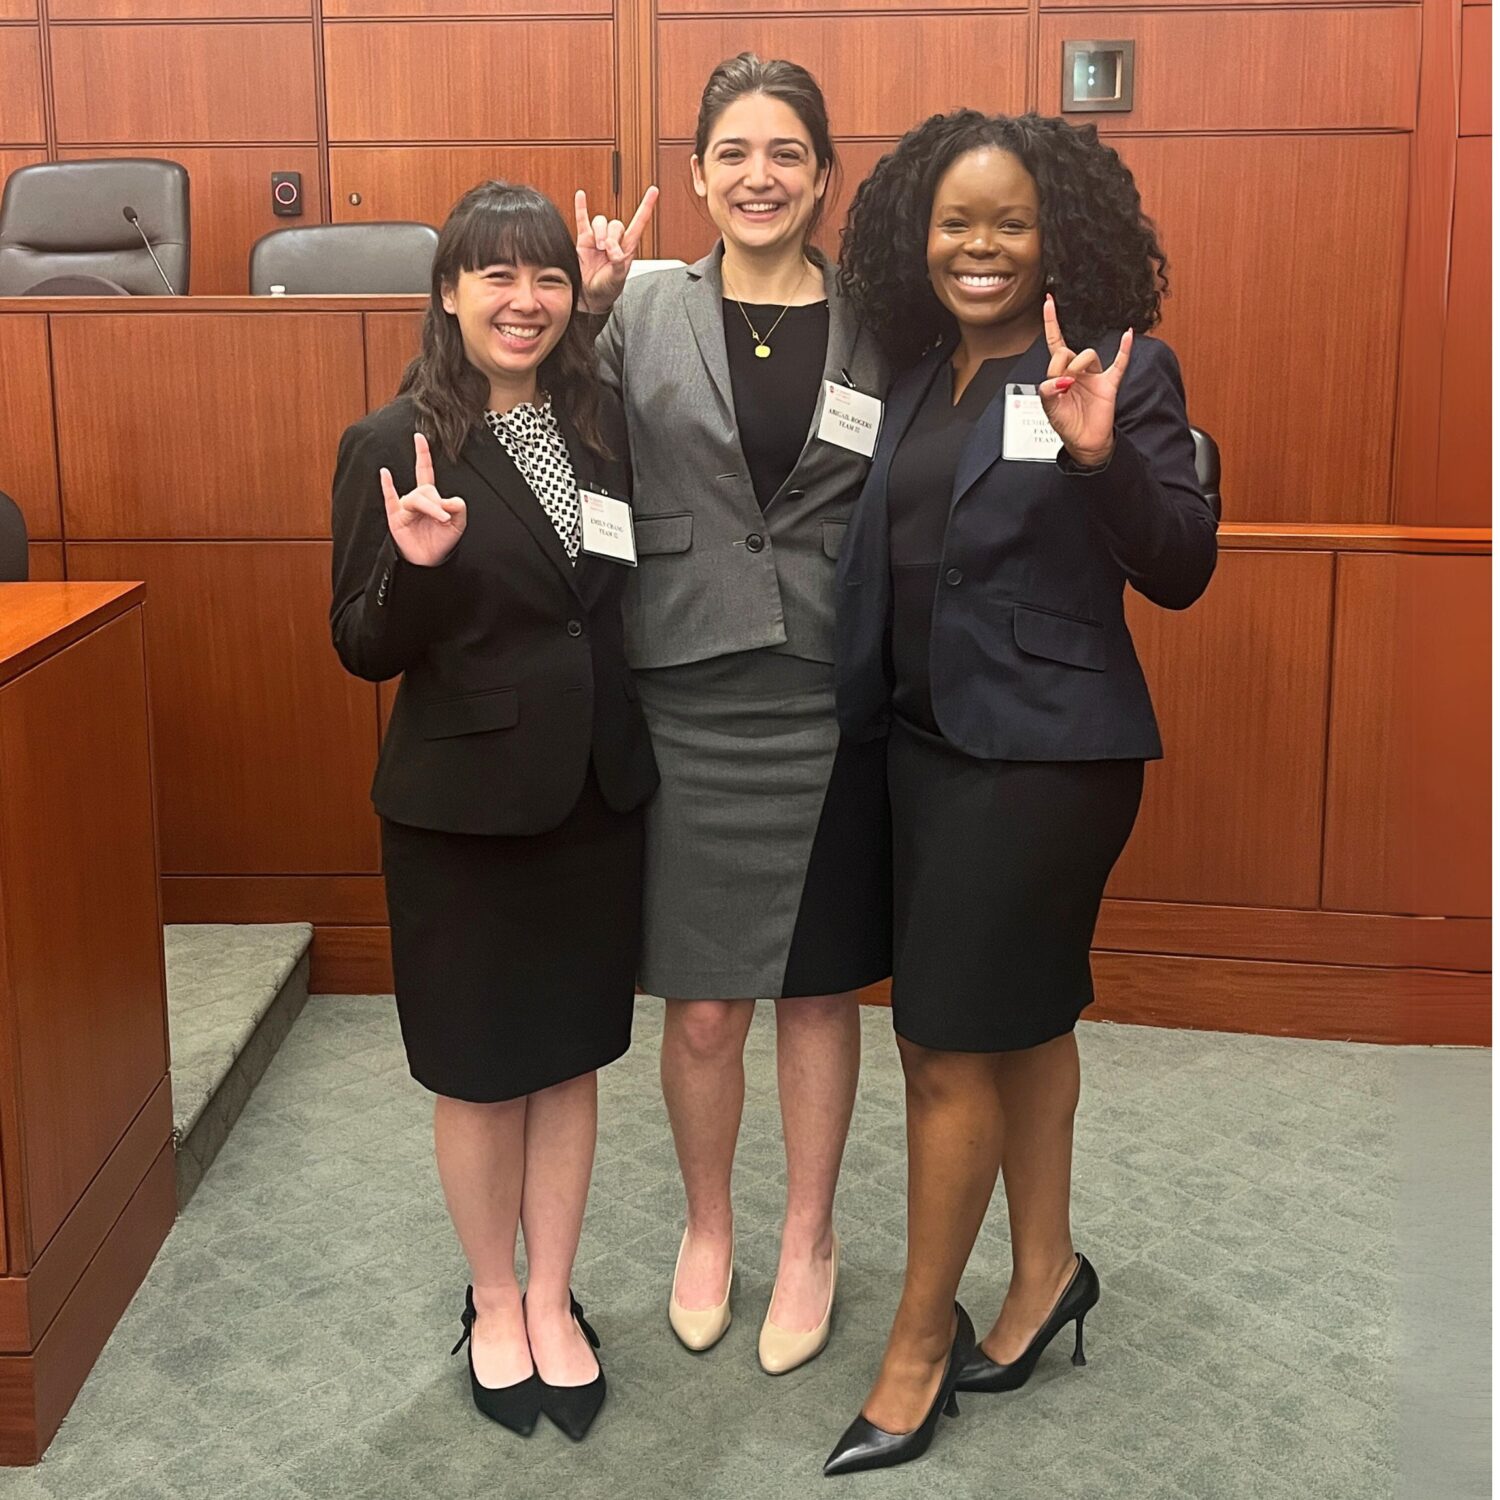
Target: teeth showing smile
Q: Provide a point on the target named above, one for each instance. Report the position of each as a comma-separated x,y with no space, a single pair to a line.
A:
980,283
512,331
758,208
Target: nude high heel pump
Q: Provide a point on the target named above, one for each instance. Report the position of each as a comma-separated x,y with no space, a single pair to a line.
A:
782,1350
700,1328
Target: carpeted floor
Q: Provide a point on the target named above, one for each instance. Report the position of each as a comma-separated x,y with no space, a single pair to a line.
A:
1238,1195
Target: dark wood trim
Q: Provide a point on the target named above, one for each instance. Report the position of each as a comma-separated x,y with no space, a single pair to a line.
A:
350,961
327,900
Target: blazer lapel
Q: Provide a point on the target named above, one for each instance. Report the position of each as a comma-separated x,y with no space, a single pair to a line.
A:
987,440
590,574
703,295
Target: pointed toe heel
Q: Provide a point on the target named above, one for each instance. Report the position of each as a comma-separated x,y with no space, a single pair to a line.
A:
981,1373
572,1408
515,1407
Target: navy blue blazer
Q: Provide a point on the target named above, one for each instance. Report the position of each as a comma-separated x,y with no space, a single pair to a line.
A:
1031,656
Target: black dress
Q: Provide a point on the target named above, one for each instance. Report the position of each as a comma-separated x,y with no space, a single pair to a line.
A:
999,866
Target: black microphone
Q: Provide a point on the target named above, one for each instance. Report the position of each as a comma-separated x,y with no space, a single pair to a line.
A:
133,218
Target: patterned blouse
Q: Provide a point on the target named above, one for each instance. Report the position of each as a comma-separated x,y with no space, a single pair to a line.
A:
530,435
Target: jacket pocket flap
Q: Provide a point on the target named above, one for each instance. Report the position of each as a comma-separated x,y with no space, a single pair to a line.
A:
654,534
475,714
1057,638
833,537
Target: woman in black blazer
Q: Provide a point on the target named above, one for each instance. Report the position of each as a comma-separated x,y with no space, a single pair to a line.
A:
1020,482
513,773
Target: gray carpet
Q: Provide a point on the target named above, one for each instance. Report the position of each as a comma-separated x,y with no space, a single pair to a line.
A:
1239,1196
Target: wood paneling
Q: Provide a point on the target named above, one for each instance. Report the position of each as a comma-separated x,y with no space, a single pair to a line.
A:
391,342
40,619
90,1043
687,232
28,455
1289,358
1409,742
21,119
1474,81
1464,435
18,10
185,83
175,10
470,80
231,203
913,9
424,182
351,961
1252,70
20,156
432,10
234,433
1311,1000
345,900
880,74
44,561
1208,830
265,746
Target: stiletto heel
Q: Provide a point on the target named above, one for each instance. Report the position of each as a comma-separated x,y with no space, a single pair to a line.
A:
866,1446
1080,1295
515,1407
573,1408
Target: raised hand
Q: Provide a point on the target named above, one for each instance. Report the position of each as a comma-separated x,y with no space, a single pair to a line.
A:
606,248
1079,394
424,526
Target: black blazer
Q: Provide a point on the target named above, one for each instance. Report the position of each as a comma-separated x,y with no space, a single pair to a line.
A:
1031,657
513,662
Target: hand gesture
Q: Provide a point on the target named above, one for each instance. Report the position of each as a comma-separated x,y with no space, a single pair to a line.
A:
424,526
606,248
1079,394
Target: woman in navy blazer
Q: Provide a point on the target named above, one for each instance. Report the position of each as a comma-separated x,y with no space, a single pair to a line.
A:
1021,481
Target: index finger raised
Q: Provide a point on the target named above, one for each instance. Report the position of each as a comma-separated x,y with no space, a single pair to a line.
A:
424,460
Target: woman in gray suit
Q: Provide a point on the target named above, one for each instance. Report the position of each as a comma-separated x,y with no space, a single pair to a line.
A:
751,397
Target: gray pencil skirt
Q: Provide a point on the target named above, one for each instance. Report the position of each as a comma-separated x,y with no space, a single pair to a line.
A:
768,846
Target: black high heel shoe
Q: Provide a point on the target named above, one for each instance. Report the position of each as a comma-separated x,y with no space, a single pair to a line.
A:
981,1373
514,1406
866,1446
574,1407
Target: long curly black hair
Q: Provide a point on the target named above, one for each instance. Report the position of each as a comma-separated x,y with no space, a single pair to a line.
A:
1100,256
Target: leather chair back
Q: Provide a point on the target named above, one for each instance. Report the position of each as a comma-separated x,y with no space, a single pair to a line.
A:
14,563
66,218
77,286
345,259
1206,461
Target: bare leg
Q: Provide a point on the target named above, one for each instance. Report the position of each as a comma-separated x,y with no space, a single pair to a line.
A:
703,1082
1039,1095
953,1140
817,1070
481,1159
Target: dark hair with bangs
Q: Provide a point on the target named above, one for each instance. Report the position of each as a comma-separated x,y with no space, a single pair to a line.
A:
494,223
1100,254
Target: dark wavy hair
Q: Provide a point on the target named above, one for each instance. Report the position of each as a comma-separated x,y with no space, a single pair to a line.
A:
776,78
491,223
1100,256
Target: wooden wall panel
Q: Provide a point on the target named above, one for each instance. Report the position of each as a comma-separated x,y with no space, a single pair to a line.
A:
880,74
1304,437
265,746
1409,740
1210,830
180,84
1464,436
424,182
917,11
684,229
432,10
1252,70
231,203
28,456
207,446
175,10
18,10
44,561
89,1039
391,342
19,156
21,118
1477,63
470,80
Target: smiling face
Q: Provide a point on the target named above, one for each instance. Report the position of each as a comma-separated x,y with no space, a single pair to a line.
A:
759,174
511,318
984,247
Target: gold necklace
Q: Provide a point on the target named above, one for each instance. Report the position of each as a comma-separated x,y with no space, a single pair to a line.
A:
762,345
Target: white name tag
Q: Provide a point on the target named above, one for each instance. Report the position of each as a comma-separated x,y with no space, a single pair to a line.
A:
1029,437
851,419
608,527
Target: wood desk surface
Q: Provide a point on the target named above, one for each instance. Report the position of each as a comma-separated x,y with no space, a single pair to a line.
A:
39,619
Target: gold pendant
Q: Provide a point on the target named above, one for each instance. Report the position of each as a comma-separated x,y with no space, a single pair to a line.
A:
763,351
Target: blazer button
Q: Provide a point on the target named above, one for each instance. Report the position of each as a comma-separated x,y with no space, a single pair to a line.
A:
575,627
754,542
794,494
953,575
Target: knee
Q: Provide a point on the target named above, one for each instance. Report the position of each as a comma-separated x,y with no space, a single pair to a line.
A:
707,1031
936,1078
818,1013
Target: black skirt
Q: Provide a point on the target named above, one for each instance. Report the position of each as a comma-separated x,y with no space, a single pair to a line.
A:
999,870
515,957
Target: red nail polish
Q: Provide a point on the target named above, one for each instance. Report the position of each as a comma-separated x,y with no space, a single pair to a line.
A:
1063,383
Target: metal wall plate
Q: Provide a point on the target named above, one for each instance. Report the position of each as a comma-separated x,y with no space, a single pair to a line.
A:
1098,77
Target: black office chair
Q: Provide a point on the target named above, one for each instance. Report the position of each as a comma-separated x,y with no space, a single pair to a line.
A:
67,218
15,565
344,259
1206,462
76,286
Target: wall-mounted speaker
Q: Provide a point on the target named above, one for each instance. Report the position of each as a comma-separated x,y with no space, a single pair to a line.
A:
286,195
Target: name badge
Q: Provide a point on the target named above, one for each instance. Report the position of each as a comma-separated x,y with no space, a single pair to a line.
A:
851,419
1029,437
607,526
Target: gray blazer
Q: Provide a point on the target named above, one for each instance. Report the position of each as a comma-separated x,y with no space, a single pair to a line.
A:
717,575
